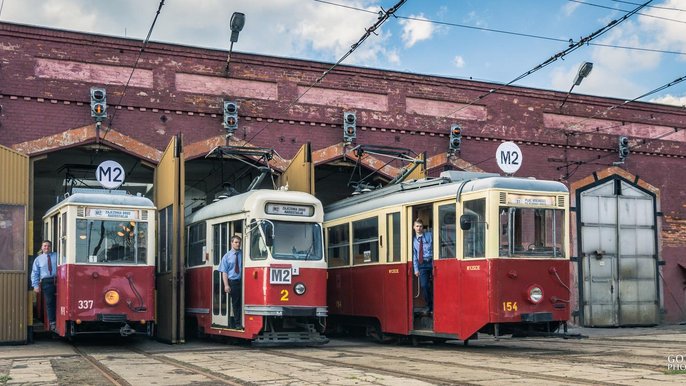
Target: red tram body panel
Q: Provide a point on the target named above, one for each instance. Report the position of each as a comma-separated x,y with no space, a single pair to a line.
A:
81,296
105,281
503,268
283,271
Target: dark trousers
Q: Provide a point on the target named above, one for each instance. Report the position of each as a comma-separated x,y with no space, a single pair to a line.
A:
427,285
48,290
235,286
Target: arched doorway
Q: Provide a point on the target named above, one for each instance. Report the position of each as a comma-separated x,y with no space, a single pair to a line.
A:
618,253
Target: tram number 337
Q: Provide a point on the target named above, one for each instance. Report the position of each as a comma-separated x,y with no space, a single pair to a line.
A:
85,304
510,306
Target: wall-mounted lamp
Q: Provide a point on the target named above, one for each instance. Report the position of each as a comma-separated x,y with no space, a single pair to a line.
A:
237,23
584,71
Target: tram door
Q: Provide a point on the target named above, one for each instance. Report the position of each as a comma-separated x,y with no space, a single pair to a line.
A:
14,206
421,318
618,255
169,199
222,232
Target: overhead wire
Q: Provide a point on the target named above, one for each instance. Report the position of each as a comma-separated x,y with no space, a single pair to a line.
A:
623,10
505,32
573,47
133,70
383,16
607,110
645,141
651,6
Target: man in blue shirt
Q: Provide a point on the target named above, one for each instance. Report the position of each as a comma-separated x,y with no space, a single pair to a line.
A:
422,261
230,267
43,275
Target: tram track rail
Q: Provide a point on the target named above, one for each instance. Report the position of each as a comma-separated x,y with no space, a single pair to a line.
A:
108,374
431,378
403,361
224,379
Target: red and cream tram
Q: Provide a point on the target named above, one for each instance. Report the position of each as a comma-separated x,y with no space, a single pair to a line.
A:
500,257
105,243
283,271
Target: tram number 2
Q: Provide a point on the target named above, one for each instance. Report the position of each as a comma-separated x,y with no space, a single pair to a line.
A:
284,295
85,304
510,306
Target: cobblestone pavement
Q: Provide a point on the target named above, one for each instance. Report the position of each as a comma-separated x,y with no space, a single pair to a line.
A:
626,356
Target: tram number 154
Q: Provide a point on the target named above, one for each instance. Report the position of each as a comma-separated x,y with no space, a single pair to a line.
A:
510,306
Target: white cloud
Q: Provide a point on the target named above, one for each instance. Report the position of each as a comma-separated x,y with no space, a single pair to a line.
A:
670,99
416,30
569,8
393,57
631,35
458,61
291,28
666,34
603,81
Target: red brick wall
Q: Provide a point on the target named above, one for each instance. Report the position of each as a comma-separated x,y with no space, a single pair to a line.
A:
45,77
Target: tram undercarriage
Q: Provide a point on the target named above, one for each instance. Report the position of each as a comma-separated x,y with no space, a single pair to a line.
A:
123,328
292,331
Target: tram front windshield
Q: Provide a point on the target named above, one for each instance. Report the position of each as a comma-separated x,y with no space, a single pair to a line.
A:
286,240
531,232
111,242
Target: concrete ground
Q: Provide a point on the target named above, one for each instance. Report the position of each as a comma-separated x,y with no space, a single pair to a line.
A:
618,356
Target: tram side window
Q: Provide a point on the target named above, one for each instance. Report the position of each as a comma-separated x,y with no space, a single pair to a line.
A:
531,232
111,242
393,237
196,242
63,236
258,245
474,242
366,241
339,245
447,231
220,245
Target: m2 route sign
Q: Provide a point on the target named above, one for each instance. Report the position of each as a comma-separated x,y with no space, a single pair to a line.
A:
509,157
110,174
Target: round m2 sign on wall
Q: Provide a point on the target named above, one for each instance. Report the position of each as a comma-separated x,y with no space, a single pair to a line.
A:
509,157
110,174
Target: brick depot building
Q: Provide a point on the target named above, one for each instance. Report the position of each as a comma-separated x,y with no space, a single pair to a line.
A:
46,77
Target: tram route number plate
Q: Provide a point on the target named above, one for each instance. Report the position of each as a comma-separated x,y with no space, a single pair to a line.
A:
280,275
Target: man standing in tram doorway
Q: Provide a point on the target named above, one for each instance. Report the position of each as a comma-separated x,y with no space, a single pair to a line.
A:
43,274
422,261
230,267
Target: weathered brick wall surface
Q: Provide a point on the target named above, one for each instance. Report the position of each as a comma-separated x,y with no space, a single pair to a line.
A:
45,77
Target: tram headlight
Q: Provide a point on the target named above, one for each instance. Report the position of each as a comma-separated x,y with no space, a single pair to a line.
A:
535,294
112,297
299,288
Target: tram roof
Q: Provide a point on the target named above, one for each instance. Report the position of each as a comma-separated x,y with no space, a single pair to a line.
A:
449,183
104,199
250,201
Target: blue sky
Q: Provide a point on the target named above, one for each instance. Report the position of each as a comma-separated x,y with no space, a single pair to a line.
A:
429,36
